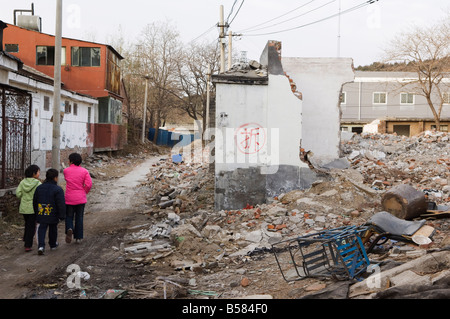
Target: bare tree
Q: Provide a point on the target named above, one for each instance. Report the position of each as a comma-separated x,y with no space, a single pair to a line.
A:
192,73
160,51
426,51
178,75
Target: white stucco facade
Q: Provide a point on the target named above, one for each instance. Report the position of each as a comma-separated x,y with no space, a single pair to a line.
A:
74,129
320,81
262,123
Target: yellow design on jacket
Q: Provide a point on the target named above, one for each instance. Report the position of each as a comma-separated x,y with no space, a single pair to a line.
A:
44,209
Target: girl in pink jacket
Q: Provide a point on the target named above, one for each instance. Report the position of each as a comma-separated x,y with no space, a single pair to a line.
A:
78,185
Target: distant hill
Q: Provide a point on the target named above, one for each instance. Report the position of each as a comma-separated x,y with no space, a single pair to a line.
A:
380,66
399,67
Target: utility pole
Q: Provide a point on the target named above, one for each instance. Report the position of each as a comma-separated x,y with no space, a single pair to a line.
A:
208,99
222,40
230,54
144,118
56,139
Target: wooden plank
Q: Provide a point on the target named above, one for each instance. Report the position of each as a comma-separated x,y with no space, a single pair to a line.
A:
425,231
436,214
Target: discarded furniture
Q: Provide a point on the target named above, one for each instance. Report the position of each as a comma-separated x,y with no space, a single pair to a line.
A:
338,253
387,226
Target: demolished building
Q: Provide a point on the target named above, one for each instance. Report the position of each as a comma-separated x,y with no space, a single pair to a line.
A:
270,116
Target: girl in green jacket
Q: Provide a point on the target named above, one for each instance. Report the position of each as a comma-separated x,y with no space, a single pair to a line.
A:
25,192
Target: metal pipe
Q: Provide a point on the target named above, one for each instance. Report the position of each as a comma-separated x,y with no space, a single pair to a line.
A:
23,10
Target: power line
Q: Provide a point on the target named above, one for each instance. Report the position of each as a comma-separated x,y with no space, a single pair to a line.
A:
285,14
317,21
236,13
312,10
201,35
231,11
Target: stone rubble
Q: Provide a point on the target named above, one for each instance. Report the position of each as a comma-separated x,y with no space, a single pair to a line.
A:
181,197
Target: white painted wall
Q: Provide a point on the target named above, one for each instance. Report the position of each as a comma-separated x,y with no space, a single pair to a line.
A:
237,105
273,107
320,81
73,129
285,113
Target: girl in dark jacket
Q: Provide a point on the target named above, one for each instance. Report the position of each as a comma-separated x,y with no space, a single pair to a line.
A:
49,207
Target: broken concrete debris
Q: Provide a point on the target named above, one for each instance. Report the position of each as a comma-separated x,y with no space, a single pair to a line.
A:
186,232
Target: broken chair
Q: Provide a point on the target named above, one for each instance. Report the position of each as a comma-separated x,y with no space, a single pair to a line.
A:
338,253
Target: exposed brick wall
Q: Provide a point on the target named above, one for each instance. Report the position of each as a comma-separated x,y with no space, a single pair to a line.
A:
64,157
9,204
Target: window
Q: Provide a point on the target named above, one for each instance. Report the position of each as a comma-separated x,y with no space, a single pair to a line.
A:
85,56
379,98
109,110
75,109
446,98
67,107
444,128
402,130
46,103
12,48
46,55
343,97
406,98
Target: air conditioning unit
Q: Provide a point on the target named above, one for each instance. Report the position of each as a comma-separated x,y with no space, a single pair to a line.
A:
30,22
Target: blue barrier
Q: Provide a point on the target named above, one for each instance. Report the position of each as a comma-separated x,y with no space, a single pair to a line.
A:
167,138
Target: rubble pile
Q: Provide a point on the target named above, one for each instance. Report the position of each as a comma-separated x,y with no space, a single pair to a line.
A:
186,233
179,187
386,160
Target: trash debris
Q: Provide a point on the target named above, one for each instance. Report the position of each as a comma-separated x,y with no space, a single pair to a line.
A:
387,226
216,249
178,158
404,201
83,275
338,253
114,294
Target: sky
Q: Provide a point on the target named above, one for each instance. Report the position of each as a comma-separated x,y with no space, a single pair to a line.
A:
306,28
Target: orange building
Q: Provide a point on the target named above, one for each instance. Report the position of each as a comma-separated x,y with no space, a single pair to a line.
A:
86,67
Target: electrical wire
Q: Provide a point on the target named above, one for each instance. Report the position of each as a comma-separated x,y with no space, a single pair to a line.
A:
273,19
317,21
231,11
204,33
236,13
312,10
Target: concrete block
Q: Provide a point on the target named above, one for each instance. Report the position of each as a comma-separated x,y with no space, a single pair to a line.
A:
409,277
381,280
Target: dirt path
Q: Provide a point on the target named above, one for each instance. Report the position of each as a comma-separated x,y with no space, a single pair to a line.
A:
111,208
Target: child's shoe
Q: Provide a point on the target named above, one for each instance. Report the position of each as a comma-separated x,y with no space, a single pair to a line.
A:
41,251
54,248
28,249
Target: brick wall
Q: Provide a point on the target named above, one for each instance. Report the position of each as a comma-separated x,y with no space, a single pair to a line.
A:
85,152
9,204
